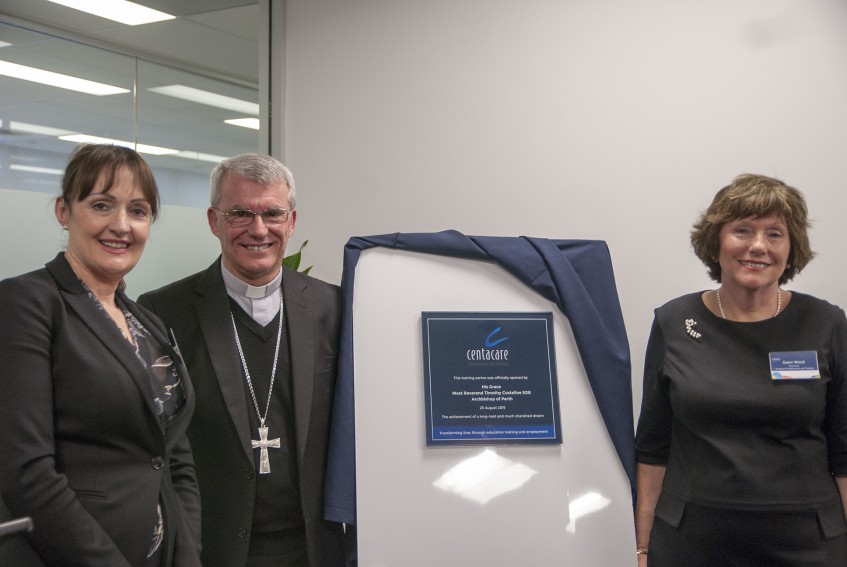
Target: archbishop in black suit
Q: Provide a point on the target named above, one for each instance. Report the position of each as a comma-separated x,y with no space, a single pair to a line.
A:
246,317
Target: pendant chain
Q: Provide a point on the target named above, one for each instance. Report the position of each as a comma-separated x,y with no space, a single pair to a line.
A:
273,371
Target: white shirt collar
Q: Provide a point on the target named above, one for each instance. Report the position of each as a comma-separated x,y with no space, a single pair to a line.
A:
262,303
238,287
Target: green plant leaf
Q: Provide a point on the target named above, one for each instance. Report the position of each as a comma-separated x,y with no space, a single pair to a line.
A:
293,261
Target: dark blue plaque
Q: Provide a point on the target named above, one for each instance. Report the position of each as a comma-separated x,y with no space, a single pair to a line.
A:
490,378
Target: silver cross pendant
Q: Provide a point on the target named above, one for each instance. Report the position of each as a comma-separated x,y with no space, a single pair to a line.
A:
262,444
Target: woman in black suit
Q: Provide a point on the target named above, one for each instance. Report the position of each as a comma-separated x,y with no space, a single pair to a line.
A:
94,399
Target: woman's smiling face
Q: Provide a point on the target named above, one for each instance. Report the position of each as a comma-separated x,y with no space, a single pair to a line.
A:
753,252
107,230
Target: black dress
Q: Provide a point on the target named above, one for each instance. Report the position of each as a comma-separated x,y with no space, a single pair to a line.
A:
750,460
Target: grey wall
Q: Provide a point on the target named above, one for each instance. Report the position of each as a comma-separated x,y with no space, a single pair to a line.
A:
605,119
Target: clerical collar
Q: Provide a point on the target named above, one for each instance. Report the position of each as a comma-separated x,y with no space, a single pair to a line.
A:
261,303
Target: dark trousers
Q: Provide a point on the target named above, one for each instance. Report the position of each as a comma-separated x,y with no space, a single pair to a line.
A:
709,537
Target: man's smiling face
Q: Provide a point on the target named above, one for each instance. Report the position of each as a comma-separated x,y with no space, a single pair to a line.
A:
254,252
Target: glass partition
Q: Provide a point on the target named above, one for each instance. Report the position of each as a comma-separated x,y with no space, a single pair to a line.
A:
39,118
188,115
56,93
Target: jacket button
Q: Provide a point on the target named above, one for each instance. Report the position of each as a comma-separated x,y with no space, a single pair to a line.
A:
248,474
242,533
158,463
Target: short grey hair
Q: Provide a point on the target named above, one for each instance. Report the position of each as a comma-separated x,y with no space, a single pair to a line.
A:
260,168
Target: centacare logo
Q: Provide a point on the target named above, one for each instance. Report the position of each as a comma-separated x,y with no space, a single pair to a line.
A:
489,352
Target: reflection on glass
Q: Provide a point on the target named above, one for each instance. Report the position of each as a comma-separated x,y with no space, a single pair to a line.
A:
208,98
35,169
28,128
140,148
183,110
182,135
580,506
245,122
484,476
58,80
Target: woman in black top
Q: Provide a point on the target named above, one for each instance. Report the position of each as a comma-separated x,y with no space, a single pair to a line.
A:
742,439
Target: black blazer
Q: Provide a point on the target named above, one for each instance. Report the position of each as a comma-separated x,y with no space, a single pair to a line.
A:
83,452
197,309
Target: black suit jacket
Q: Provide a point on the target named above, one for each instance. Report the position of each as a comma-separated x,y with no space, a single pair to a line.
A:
83,452
197,309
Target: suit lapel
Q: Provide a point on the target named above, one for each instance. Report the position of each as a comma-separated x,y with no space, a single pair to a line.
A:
211,304
301,328
103,329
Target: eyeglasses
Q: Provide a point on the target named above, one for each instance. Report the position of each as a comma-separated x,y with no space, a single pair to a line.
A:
244,217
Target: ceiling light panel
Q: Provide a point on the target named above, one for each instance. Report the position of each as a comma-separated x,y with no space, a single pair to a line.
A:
28,128
140,148
35,169
252,123
128,13
59,80
208,98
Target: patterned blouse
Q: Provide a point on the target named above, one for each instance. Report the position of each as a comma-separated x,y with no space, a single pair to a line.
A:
165,381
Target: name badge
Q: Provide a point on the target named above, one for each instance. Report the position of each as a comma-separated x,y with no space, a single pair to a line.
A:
795,365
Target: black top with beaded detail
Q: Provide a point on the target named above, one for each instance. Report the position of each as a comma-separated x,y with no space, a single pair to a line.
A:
730,435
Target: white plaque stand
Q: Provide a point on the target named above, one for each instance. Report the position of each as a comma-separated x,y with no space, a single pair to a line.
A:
471,506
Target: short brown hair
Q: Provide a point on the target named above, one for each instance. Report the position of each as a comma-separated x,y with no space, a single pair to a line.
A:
89,161
757,196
